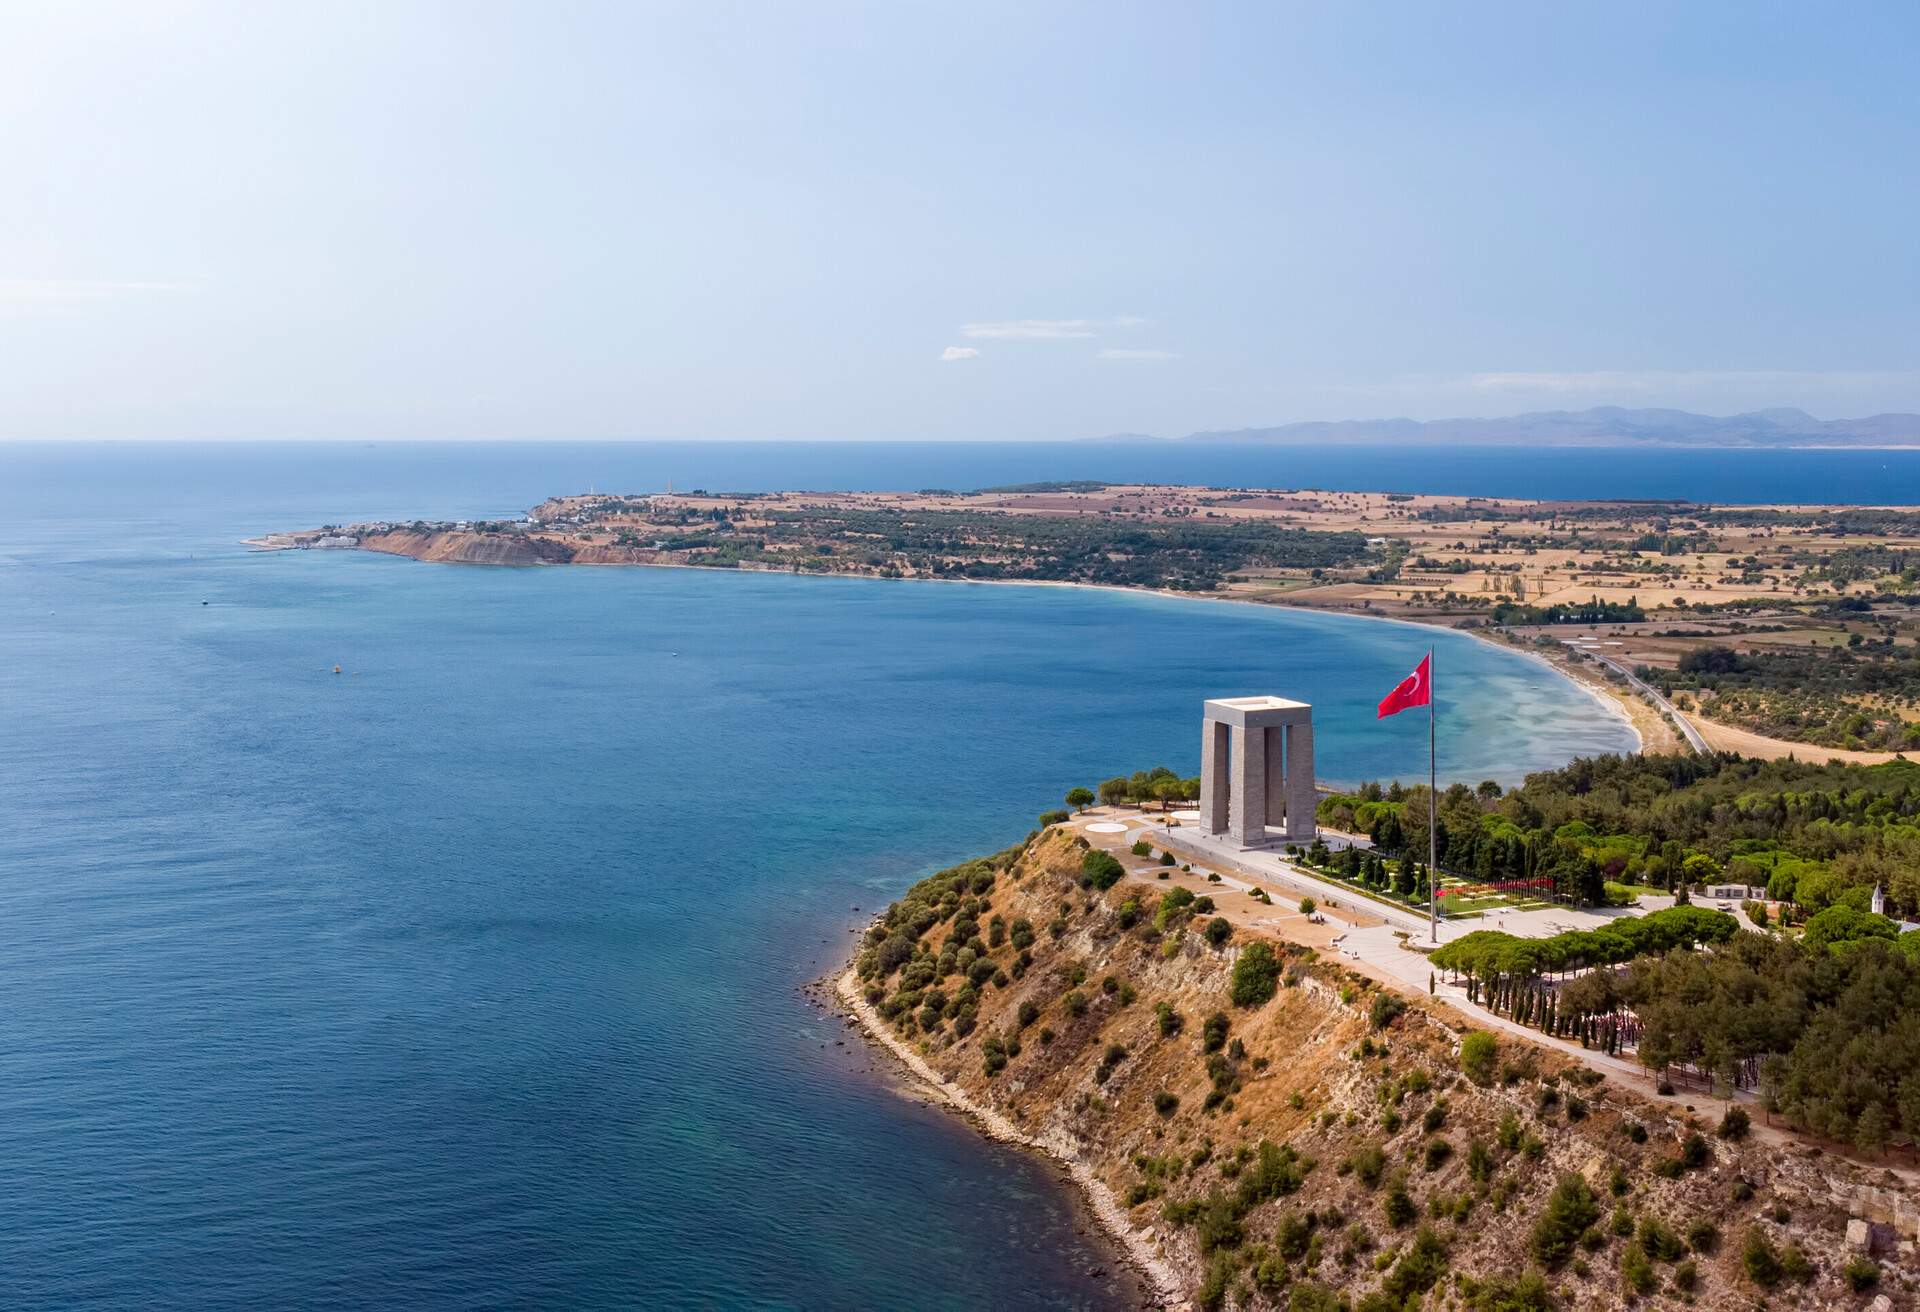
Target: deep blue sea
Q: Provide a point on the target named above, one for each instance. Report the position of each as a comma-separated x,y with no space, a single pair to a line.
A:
471,976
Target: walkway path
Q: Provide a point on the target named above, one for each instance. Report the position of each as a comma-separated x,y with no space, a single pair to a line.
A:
1366,941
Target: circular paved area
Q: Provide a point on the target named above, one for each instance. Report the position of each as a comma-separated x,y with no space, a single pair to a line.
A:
1106,827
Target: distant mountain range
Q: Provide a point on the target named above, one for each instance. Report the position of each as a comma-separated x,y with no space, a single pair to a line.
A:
1602,425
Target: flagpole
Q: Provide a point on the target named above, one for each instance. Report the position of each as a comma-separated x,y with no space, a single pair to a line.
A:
1433,809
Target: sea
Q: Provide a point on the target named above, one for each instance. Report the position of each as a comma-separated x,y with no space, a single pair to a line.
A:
470,973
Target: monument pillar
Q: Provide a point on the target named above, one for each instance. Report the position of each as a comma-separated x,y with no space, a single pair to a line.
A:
1215,758
1247,807
1303,803
1256,770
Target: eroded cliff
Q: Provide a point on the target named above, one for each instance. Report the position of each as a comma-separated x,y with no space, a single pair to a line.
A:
1268,1130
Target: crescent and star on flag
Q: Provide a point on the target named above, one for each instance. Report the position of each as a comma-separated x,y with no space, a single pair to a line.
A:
1414,690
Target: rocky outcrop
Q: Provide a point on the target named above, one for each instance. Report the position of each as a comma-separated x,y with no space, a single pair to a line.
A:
1323,1140
464,548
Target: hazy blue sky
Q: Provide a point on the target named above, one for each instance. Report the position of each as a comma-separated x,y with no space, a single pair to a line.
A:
921,221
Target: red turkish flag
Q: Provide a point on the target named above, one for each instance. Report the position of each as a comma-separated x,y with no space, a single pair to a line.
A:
1414,690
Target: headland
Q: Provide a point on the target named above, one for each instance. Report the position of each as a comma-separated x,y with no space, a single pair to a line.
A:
1769,630
1266,1117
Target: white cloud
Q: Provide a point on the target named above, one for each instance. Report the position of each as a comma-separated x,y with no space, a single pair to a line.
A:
1113,354
50,291
960,353
1047,329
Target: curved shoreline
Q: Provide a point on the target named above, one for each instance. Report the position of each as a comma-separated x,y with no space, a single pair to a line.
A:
1601,694
1106,1209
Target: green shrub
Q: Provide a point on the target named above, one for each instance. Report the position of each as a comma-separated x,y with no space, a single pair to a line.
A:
1213,1032
1398,1204
1101,869
1076,1002
1170,1020
1758,1259
1862,1273
1479,1053
1212,1294
1219,931
1418,1270
1166,859
1276,1171
1509,1132
1685,1277
1142,847
1570,1210
1636,1272
1385,1007
1438,1153
1368,1164
1165,1103
1736,1124
1218,1224
1296,1228
1703,1236
1659,1240
1054,817
1315,1298
1523,1293
1256,976
1174,907
1479,1162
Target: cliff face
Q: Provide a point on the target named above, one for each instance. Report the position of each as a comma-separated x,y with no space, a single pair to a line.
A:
455,547
1321,1144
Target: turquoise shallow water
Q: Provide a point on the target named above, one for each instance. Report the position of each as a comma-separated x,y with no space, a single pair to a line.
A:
471,976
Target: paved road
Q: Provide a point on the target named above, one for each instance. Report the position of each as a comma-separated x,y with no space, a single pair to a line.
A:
1652,694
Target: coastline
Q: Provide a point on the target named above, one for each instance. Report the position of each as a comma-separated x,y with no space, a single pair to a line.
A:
1614,702
1136,1247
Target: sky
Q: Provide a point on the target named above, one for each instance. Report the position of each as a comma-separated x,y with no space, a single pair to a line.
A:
919,221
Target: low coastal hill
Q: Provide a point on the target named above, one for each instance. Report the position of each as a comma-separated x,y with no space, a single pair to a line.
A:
1609,424
1265,1129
